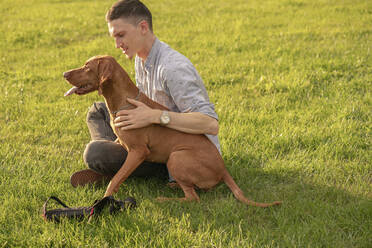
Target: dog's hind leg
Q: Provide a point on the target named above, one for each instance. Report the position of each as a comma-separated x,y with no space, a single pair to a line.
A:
180,164
190,195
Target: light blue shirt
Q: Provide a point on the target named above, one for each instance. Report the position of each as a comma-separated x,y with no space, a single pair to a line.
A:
169,78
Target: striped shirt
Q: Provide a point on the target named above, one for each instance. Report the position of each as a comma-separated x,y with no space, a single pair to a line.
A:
169,78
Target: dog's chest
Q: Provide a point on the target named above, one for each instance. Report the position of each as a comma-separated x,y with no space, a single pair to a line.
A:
119,134
127,138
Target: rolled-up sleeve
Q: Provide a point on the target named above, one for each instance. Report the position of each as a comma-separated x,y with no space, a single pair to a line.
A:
187,90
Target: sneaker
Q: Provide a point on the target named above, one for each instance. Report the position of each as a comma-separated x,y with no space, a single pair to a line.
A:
88,176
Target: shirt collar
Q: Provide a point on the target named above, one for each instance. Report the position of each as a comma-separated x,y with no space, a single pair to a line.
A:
150,60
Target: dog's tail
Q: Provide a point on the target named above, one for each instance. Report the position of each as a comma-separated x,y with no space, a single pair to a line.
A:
238,193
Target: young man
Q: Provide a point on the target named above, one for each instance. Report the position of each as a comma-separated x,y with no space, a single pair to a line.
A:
165,76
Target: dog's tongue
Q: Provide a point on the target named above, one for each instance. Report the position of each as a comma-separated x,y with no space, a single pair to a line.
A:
71,91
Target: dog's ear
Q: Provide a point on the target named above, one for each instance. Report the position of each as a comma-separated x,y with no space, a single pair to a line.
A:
104,70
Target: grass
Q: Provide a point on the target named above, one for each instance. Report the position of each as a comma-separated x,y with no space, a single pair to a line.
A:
291,82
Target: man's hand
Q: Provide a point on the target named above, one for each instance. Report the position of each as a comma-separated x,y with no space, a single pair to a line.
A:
142,116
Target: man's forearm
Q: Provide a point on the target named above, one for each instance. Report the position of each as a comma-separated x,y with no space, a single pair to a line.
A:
142,116
193,122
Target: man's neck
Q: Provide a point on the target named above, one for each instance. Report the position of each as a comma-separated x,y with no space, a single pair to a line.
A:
147,47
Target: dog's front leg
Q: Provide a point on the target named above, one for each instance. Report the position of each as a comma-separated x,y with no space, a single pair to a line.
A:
134,159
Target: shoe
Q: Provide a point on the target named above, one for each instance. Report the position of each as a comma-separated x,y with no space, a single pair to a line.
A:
88,176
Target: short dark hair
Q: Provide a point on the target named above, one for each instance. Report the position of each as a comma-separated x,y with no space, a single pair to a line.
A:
130,9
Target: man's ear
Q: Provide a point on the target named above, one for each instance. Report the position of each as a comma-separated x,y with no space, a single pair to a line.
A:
144,26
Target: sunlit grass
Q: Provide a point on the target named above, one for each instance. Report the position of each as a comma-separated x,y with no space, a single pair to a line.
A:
291,85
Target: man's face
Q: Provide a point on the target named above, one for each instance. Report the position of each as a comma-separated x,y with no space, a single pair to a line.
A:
128,36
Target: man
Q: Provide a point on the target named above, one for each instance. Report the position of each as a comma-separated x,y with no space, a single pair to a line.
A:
165,76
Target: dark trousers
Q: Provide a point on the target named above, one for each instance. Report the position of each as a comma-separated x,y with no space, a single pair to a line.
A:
104,155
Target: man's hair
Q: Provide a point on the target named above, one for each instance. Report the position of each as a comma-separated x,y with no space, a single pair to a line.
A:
133,10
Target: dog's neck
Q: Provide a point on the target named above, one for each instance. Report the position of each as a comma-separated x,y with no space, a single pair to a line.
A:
117,90
126,106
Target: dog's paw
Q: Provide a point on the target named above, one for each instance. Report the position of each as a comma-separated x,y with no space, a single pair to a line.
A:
173,185
163,199
277,202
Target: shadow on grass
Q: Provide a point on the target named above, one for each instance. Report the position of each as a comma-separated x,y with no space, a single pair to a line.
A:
311,214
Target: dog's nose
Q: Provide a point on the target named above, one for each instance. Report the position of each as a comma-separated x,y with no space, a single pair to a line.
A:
66,74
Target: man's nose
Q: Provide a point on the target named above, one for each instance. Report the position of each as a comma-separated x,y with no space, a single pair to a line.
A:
118,43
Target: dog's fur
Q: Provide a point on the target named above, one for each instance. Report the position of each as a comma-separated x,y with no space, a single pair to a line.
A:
193,160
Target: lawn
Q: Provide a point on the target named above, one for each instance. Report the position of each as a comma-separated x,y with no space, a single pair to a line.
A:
291,82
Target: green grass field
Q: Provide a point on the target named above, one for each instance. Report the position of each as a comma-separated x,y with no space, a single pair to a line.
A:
291,82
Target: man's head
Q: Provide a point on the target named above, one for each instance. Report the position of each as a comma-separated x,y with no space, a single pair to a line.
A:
130,24
132,10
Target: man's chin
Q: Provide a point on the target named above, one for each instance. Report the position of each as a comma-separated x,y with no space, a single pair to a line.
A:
130,57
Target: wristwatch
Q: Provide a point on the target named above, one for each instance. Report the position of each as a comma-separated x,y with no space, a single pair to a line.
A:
164,118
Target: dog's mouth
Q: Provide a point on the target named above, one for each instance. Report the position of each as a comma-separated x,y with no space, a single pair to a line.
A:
78,88
82,90
74,90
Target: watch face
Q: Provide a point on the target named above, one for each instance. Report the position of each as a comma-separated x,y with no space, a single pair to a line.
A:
164,118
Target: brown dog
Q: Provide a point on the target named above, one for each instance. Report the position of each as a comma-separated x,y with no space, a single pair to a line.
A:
193,160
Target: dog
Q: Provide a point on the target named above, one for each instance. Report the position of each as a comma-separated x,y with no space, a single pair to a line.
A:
192,159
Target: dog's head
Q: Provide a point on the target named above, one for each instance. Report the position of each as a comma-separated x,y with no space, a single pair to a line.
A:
91,76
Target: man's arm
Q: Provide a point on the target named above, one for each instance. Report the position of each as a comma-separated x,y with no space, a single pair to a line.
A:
142,116
193,122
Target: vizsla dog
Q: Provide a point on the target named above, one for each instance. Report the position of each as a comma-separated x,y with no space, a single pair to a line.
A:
192,160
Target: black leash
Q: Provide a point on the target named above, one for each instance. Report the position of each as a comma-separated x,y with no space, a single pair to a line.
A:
80,213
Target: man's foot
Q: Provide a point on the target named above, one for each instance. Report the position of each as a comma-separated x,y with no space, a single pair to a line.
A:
87,176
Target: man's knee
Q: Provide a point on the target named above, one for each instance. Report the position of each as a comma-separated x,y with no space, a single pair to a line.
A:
97,111
91,153
104,156
98,121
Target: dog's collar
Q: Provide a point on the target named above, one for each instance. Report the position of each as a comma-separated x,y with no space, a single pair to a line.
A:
126,105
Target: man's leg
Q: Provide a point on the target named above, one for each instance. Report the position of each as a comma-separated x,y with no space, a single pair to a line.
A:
105,157
98,122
